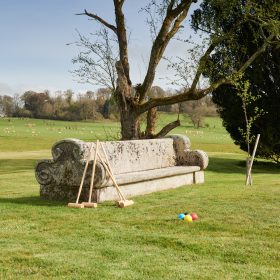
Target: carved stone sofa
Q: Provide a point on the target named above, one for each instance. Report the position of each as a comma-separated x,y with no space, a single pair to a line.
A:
140,167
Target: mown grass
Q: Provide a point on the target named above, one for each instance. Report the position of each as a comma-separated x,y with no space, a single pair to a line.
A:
236,236
35,134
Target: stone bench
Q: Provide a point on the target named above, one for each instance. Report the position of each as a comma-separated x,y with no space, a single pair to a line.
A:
140,167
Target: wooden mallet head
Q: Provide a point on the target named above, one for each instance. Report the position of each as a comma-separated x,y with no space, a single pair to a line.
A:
90,204
76,205
125,203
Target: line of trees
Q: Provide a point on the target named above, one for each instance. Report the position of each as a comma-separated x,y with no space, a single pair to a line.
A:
92,105
62,106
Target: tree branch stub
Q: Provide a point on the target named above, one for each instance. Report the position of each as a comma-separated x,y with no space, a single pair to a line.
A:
99,19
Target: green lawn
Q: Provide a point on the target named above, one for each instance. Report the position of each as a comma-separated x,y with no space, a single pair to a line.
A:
236,237
36,135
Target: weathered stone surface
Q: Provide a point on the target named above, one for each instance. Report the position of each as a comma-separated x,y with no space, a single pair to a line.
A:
133,162
184,156
152,174
136,155
150,186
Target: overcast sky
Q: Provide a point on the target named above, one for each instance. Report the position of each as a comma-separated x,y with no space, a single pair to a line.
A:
34,54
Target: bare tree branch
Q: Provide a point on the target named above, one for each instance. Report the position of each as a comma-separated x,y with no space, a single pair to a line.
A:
201,65
101,20
216,40
166,32
97,60
122,38
166,129
193,94
256,54
170,6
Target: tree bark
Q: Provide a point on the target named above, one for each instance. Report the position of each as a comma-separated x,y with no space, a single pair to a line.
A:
130,126
129,115
151,122
165,130
129,119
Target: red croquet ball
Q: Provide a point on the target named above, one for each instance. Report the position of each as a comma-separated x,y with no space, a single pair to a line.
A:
194,216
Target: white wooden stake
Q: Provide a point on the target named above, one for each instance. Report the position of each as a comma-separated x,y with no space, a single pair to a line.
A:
252,159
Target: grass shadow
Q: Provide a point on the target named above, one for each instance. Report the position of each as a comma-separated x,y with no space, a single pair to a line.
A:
37,201
237,166
9,166
32,200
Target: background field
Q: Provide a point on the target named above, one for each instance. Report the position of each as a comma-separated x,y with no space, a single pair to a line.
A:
236,237
36,134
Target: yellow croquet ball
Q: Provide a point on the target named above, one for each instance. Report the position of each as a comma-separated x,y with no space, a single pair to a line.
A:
188,218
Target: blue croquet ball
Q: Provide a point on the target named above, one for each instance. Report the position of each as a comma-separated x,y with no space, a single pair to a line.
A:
181,216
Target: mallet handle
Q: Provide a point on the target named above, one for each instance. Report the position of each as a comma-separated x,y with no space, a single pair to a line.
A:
111,176
84,174
93,172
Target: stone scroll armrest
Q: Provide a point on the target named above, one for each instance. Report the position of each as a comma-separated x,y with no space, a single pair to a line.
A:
185,156
194,158
67,166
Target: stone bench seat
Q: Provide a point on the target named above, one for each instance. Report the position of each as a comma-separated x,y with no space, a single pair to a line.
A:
140,167
152,174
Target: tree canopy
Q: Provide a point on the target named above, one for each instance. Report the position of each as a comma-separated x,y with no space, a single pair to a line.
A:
264,80
262,76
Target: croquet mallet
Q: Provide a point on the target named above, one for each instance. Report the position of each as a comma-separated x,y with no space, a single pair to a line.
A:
77,204
123,202
90,204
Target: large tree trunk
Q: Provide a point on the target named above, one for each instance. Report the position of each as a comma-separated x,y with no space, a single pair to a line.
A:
129,117
130,127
